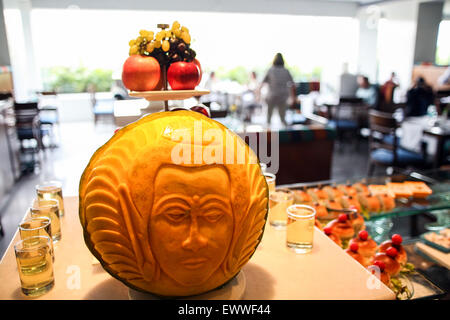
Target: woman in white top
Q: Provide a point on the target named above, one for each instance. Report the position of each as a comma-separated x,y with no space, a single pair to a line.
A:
281,86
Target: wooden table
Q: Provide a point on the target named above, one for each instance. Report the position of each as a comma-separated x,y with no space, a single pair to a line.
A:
442,135
274,272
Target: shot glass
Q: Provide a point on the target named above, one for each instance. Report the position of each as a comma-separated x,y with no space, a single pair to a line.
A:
34,227
35,265
271,180
51,190
279,201
49,209
300,228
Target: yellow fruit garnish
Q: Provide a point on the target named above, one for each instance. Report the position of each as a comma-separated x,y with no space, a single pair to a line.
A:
175,25
134,50
186,37
150,47
159,36
139,39
132,42
185,29
143,33
165,45
157,44
177,33
168,34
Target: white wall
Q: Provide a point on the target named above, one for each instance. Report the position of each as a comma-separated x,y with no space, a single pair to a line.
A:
367,48
396,42
19,40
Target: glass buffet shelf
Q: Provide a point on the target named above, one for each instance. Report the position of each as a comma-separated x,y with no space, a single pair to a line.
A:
438,180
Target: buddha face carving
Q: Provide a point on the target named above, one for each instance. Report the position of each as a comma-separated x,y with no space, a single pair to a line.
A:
166,228
191,222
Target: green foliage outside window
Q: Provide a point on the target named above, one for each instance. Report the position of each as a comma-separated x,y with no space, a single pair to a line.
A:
75,80
241,74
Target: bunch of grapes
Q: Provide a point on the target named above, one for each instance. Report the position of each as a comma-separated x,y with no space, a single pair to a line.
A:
167,46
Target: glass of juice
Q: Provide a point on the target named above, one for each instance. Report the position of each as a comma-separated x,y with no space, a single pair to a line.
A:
37,226
300,228
279,201
35,265
51,190
48,208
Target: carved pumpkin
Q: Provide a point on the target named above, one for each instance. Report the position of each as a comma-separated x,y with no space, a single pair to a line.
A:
172,227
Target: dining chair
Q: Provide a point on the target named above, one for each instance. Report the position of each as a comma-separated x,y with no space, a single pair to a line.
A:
49,113
103,109
28,128
345,127
387,152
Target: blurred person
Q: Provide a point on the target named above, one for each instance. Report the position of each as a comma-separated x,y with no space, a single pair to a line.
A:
367,92
281,87
348,83
418,99
387,89
252,84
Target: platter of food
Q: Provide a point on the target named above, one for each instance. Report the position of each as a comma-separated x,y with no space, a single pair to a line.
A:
439,240
388,260
391,261
374,198
342,210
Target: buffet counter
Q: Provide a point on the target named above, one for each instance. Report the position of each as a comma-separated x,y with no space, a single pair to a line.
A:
273,273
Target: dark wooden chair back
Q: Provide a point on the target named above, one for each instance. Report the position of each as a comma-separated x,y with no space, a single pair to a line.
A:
27,118
381,125
27,106
26,113
350,100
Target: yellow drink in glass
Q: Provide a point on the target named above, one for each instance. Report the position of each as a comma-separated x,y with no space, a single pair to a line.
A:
34,227
271,179
35,265
300,228
48,208
279,201
51,190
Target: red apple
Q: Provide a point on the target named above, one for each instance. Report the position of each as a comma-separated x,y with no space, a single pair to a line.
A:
199,68
141,73
183,75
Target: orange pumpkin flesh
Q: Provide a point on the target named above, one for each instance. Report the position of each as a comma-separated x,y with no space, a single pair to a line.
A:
172,229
